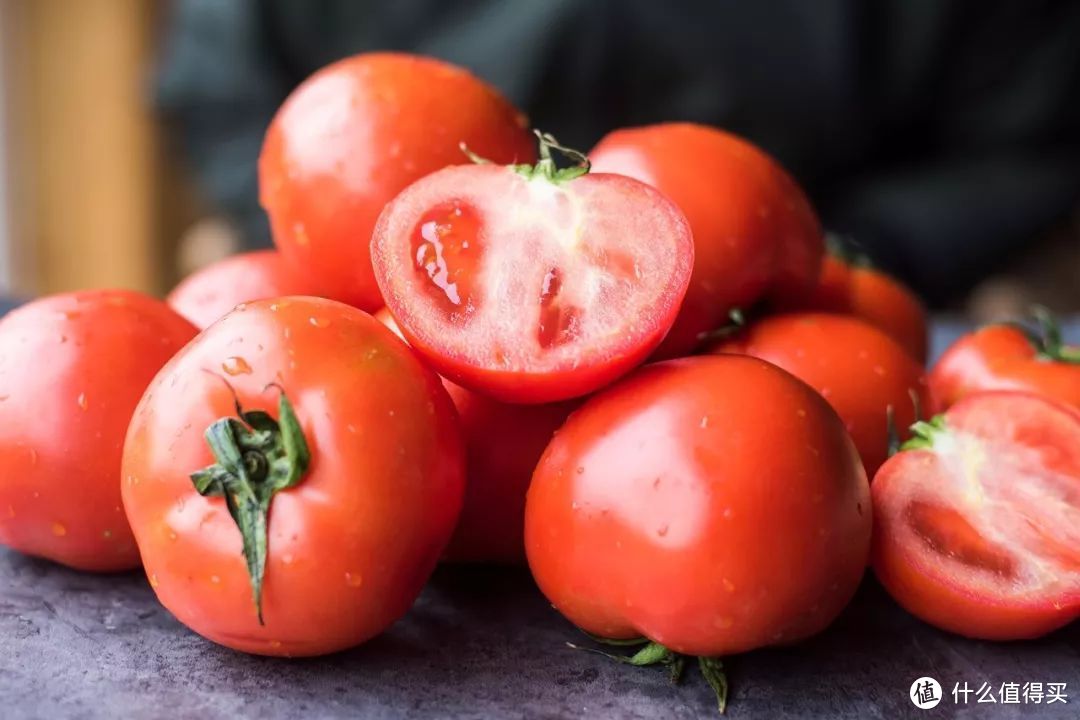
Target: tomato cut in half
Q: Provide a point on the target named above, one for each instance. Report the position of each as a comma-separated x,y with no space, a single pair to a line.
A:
532,284
977,521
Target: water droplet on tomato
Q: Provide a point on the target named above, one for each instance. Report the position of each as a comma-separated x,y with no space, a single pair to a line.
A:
662,530
354,579
154,580
58,529
704,421
447,246
558,322
351,428
879,371
580,469
722,622
172,536
63,339
287,559
728,585
107,534
236,365
215,579
319,322
81,400
300,235
33,456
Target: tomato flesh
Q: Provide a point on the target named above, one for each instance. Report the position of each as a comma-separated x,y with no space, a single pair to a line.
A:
527,289
979,533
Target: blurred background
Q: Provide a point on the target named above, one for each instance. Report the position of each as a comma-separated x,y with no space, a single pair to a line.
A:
942,136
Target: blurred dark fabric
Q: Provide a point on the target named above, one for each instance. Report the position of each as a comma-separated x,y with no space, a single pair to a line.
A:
942,135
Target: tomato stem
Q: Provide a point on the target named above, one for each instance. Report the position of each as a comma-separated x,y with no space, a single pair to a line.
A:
847,250
1047,339
546,168
257,456
923,433
735,324
653,653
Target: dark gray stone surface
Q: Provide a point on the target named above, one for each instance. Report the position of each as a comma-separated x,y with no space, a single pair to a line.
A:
480,643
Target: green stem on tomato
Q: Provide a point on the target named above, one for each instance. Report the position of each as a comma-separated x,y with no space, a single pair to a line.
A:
257,457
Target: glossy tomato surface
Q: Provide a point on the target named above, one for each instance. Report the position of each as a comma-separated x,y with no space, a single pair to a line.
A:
352,136
349,546
978,530
1001,357
754,229
859,369
874,296
72,369
503,443
530,289
711,504
211,292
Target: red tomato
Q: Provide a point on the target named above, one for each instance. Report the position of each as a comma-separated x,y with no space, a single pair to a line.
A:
711,504
871,295
207,294
754,230
977,525
859,369
530,284
352,136
347,501
1007,357
503,443
72,369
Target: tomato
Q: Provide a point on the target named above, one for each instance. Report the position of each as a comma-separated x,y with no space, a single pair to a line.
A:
72,369
1008,357
532,284
869,294
345,493
712,505
352,136
754,230
978,519
503,443
207,294
859,369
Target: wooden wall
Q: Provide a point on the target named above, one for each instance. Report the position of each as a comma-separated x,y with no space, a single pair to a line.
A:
90,177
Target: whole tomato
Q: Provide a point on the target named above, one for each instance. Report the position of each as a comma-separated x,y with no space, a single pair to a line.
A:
856,288
72,368
355,134
755,232
977,519
859,369
1008,357
292,477
711,505
503,443
212,291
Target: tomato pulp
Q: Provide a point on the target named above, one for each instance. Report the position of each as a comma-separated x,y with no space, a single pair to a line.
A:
532,284
977,521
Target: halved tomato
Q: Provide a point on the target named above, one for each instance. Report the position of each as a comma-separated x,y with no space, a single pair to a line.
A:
529,283
977,521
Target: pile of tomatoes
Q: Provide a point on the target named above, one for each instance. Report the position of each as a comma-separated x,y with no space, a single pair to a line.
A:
638,371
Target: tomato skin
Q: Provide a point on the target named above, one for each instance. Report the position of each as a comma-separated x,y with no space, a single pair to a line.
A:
212,291
754,230
871,295
352,136
923,577
1000,357
349,547
859,369
72,369
645,514
503,443
493,342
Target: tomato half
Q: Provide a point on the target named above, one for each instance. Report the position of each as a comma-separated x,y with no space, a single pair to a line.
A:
711,504
859,369
351,137
72,368
872,295
531,284
754,230
347,483
1008,357
503,443
211,292
978,523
